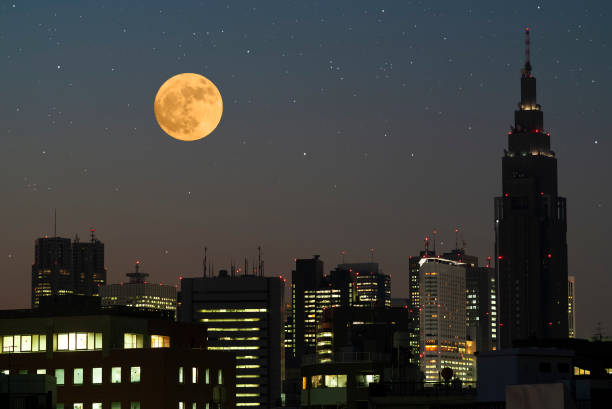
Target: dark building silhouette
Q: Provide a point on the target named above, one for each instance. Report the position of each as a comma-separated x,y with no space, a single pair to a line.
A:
52,268
530,228
88,266
306,279
63,268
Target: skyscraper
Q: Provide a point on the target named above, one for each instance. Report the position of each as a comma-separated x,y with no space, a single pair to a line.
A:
481,302
530,228
306,279
414,299
244,314
443,320
88,265
52,268
64,268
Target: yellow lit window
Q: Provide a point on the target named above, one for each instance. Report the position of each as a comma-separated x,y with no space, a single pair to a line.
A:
131,341
160,341
304,383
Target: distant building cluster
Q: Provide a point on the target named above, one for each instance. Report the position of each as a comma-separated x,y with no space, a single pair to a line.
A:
463,335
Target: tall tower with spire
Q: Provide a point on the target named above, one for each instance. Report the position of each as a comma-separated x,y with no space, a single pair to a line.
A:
530,228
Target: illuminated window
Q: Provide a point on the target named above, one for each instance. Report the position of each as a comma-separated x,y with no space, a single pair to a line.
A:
194,375
77,406
134,374
194,406
115,405
131,341
304,383
59,376
160,341
59,406
331,381
77,377
134,405
181,405
342,381
96,405
316,381
116,374
220,377
180,375
41,371
207,376
96,375
81,341
75,341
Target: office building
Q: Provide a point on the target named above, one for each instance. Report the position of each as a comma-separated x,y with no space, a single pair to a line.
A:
571,306
481,300
117,358
414,300
443,320
52,268
530,228
138,293
88,266
306,279
62,267
362,285
244,315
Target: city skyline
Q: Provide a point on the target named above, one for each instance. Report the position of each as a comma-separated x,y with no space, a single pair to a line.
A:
325,145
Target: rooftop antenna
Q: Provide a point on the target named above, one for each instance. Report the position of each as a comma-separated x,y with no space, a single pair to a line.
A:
434,236
259,260
343,253
371,255
527,51
456,238
426,246
204,262
92,231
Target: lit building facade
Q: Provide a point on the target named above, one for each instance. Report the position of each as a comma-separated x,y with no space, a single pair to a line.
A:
366,285
481,300
117,359
571,306
414,299
138,293
244,314
443,320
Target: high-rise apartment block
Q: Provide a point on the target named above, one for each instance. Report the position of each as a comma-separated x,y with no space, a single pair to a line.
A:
530,228
443,320
244,314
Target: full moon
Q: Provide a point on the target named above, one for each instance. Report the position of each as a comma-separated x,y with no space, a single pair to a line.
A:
188,107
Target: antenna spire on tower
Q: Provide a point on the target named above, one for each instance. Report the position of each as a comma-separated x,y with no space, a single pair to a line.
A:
204,261
527,52
55,222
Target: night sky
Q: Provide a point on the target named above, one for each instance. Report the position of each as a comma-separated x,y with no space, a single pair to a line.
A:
347,125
